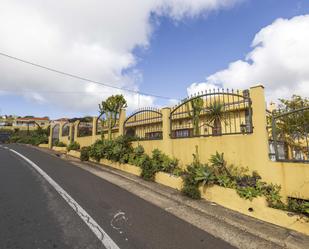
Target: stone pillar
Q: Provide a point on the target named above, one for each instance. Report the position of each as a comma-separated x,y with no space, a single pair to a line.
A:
259,121
76,124
94,128
166,129
50,139
259,153
71,135
60,130
122,119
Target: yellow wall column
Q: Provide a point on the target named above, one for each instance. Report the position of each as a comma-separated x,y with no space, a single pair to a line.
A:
60,130
50,139
76,124
94,128
122,118
260,151
166,129
259,122
71,135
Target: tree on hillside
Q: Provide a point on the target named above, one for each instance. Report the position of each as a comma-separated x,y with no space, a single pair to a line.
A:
111,108
293,128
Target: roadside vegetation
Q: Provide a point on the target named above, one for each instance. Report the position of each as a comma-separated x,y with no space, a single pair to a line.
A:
216,172
73,146
196,175
121,150
35,137
247,185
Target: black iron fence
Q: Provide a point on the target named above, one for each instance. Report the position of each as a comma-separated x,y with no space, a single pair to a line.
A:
144,124
212,113
103,124
289,140
55,137
84,129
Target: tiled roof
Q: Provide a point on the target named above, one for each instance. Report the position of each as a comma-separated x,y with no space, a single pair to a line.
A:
32,119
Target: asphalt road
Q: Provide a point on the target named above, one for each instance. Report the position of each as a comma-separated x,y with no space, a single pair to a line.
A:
34,215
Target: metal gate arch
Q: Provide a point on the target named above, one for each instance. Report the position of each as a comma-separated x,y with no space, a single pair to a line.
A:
149,117
228,99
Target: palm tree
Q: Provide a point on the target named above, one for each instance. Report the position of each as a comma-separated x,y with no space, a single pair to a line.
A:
216,116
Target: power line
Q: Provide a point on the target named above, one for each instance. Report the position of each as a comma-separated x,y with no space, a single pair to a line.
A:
56,92
83,78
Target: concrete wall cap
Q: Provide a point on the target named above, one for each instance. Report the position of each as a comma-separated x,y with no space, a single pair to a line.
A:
257,86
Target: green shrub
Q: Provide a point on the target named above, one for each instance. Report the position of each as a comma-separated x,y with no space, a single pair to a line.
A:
96,151
191,191
60,144
299,206
196,174
73,146
84,154
226,181
158,162
35,137
162,162
248,192
134,157
273,197
148,170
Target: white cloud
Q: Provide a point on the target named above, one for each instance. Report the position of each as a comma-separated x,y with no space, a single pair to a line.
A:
279,60
195,88
93,38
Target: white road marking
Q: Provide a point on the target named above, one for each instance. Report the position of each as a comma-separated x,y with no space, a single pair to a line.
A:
90,222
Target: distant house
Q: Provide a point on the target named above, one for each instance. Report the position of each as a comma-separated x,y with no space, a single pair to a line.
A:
6,121
31,122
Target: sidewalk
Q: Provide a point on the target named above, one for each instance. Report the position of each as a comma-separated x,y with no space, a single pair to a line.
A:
239,230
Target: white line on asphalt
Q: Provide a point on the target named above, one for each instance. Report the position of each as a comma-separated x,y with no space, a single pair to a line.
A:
90,222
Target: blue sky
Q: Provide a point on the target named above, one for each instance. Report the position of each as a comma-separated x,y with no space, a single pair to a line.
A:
188,51
179,53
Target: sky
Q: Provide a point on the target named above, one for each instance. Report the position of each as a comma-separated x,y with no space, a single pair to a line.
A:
170,48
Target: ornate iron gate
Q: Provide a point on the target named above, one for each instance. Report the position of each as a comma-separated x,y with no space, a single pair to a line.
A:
212,113
144,124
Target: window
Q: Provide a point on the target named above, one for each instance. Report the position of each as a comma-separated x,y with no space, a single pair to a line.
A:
154,135
182,133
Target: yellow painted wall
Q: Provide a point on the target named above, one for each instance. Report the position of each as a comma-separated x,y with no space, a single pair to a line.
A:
84,141
250,150
64,139
150,145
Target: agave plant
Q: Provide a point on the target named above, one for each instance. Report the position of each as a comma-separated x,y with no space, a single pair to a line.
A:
204,175
219,164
